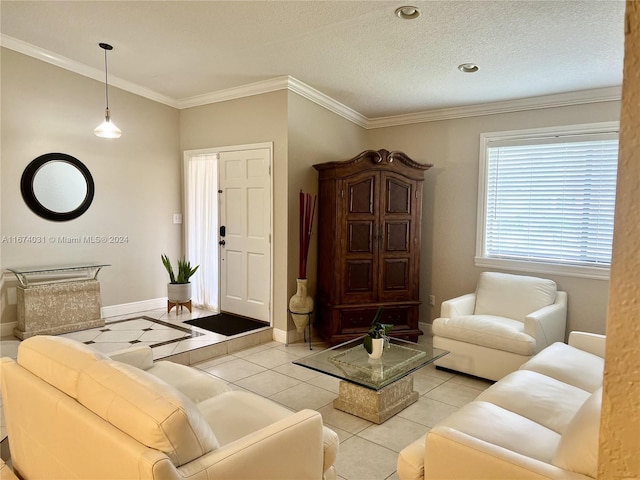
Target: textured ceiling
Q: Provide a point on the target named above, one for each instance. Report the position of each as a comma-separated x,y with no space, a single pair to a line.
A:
356,52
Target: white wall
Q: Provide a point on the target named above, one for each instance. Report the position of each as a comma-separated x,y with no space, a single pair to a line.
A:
255,119
137,178
450,202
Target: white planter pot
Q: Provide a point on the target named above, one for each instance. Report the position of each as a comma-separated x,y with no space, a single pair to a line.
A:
377,348
179,292
301,305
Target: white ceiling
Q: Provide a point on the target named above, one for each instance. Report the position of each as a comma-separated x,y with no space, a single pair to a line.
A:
356,52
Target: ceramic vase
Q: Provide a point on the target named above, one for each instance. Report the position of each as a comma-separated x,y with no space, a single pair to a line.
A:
179,292
301,305
377,347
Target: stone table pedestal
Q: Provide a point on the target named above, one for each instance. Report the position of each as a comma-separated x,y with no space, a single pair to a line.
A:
54,308
376,406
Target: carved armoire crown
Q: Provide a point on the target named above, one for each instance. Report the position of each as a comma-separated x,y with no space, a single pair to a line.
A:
369,214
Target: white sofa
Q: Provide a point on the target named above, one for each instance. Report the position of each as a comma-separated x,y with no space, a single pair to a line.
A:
72,412
540,422
508,319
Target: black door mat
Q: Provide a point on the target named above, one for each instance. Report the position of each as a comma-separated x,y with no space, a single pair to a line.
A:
227,324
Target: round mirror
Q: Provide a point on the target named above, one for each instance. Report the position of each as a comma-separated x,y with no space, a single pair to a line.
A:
57,186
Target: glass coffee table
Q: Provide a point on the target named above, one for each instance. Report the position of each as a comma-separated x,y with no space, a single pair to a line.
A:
373,389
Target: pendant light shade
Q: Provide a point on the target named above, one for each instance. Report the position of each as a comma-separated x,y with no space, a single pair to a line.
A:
107,129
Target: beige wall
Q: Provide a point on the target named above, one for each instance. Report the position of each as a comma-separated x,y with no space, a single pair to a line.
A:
450,203
303,134
137,177
45,109
255,119
620,423
316,135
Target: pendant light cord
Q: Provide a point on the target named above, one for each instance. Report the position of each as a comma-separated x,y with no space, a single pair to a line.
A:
106,47
106,83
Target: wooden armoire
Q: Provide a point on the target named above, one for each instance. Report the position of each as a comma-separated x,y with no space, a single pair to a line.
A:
369,214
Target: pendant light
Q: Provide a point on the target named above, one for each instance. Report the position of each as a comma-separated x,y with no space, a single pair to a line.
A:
107,129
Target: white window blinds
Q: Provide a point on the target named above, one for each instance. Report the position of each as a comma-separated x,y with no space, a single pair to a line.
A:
551,200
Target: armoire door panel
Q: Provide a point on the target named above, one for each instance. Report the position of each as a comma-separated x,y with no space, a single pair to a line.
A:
395,275
359,276
361,196
397,236
398,196
360,237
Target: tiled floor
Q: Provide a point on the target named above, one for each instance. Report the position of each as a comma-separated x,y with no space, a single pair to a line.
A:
265,367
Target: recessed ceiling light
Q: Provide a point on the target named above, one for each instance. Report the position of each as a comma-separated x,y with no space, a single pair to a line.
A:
408,12
468,68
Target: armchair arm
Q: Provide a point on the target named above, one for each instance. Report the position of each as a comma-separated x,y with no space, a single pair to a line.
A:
140,357
589,342
459,306
548,324
291,448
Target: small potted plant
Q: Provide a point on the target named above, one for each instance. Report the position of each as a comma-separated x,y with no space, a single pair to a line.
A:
377,336
179,288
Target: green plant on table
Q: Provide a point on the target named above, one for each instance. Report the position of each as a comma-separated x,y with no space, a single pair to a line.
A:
377,330
185,271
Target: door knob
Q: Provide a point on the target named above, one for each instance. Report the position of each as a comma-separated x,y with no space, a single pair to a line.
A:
222,242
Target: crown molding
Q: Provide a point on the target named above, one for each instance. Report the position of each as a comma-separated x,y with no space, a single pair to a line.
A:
82,69
279,83
327,102
607,94
257,88
296,86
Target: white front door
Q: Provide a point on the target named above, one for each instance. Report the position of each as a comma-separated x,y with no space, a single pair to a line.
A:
245,217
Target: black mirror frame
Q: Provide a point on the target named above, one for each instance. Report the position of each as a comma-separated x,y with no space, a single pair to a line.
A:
26,187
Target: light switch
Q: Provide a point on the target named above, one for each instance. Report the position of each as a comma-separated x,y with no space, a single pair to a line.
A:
177,218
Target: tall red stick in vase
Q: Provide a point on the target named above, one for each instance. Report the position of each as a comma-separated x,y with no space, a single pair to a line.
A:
307,211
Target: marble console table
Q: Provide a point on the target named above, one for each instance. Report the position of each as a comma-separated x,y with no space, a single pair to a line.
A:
54,300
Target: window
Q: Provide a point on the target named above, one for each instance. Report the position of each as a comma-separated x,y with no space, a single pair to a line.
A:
546,199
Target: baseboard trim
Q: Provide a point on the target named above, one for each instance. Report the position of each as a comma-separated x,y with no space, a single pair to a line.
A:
133,307
6,329
281,336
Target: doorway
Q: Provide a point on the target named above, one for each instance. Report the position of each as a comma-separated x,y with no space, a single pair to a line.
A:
228,228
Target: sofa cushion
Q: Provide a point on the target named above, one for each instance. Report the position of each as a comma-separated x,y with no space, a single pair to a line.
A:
147,409
236,414
578,447
195,384
543,399
493,424
512,296
57,360
569,365
488,331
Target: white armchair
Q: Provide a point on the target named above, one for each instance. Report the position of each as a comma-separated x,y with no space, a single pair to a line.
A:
507,320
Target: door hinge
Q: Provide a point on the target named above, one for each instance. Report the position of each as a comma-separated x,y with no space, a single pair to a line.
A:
269,238
342,193
269,170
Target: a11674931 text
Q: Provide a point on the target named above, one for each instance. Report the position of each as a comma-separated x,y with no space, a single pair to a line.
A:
64,239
